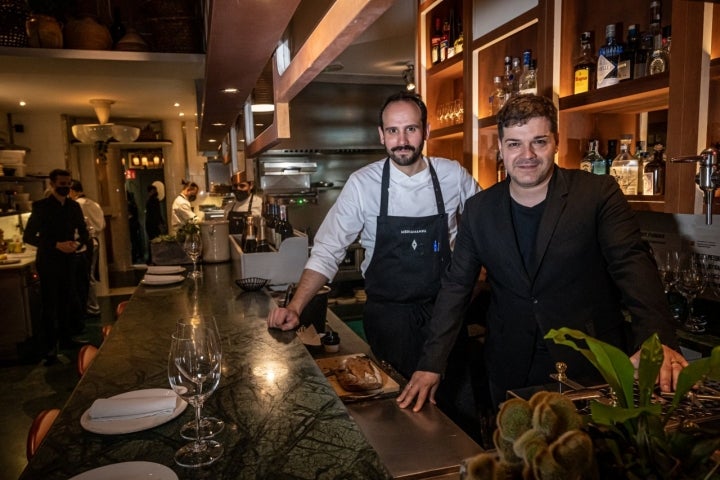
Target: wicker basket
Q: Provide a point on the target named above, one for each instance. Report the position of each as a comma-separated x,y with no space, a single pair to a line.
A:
175,34
13,15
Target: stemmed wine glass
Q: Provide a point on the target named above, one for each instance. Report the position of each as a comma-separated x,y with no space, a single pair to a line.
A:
667,264
193,248
209,426
194,373
690,284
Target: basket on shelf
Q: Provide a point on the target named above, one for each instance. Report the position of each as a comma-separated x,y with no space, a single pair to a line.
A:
251,284
13,15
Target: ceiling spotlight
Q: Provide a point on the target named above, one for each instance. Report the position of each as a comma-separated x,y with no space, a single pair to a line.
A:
408,76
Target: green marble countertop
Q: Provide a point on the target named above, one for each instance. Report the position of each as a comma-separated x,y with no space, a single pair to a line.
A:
283,420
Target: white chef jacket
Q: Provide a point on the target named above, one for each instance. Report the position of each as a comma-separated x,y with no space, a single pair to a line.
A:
358,205
94,216
182,212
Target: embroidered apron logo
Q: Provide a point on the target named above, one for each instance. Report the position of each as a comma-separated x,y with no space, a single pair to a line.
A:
414,245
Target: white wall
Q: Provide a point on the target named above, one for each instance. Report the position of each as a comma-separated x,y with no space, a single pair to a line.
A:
490,14
43,133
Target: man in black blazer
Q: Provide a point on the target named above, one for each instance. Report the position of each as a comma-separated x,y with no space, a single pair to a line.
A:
562,248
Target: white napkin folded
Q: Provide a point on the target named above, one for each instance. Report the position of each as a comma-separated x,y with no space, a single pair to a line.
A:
104,409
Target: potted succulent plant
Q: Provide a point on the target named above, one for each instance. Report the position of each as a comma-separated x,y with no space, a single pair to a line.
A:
628,438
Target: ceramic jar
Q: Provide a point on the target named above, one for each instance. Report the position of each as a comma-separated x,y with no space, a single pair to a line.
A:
87,34
44,31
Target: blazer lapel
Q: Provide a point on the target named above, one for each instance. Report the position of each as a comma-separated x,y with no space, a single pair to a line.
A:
555,205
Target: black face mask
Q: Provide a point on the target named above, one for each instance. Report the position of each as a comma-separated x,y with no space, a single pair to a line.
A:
192,198
62,191
241,195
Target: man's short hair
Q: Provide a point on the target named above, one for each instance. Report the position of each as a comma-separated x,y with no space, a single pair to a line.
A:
521,108
76,186
58,172
405,96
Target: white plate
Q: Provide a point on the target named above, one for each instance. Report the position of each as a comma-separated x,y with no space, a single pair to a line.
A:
114,427
164,270
128,471
161,279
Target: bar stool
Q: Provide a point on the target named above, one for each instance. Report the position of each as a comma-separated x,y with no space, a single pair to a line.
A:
39,428
85,357
121,308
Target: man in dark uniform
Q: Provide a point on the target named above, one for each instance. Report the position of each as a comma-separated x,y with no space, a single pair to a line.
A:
57,228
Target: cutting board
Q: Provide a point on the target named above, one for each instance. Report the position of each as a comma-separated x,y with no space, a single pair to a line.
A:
328,365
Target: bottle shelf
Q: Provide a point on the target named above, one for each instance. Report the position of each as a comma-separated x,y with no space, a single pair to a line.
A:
651,203
446,133
450,68
633,96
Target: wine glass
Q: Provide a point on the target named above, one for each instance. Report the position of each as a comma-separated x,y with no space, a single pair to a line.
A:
209,426
667,264
194,374
690,284
193,248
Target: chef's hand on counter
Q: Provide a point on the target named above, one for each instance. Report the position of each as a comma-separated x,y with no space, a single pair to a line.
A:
283,318
422,386
673,364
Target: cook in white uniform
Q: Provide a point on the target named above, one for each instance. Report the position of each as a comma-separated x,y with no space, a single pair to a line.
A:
405,210
182,209
246,202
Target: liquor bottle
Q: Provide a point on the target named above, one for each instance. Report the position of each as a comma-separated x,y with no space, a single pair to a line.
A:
626,64
528,78
445,41
654,173
283,228
435,39
507,79
593,162
611,153
587,160
599,163
500,167
249,238
659,60
516,71
584,66
608,57
625,168
497,99
459,40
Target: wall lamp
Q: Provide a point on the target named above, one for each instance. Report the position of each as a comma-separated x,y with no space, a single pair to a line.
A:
408,76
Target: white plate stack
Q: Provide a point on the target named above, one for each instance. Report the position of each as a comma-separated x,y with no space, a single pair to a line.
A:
13,160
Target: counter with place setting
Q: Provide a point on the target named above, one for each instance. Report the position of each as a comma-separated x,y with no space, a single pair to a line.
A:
282,418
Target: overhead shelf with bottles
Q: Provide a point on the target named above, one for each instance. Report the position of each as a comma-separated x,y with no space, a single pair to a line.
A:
443,88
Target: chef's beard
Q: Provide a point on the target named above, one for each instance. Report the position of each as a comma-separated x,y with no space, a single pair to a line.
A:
404,161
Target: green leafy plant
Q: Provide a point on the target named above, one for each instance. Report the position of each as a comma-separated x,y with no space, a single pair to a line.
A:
631,436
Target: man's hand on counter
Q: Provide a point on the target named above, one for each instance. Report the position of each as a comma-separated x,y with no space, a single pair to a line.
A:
422,386
283,318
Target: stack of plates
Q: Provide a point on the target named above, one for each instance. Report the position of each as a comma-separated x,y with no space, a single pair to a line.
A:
163,275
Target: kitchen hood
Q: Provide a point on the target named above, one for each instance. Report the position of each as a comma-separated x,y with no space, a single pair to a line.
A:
331,118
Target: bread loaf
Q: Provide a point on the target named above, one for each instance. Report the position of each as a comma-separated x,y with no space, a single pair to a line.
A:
359,374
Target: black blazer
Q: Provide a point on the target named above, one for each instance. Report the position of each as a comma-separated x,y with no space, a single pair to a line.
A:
591,263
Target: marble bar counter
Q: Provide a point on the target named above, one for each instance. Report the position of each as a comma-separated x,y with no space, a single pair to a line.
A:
283,418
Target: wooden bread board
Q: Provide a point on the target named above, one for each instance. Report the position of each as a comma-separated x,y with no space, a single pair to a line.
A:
328,365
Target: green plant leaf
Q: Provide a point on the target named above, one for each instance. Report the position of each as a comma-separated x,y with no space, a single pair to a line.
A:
651,358
697,370
609,414
612,363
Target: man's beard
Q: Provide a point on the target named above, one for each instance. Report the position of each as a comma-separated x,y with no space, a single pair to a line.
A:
404,161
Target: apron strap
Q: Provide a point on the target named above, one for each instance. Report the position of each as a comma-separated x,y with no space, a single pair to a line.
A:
249,210
385,187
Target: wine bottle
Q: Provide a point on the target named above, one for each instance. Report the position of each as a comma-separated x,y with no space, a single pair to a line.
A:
654,173
283,228
262,242
435,40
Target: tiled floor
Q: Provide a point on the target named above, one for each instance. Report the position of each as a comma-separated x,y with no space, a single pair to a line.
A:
29,388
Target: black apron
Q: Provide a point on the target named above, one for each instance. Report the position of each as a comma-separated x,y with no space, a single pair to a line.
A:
237,219
403,279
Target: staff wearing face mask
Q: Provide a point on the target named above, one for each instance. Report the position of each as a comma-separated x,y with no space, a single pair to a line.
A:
57,228
246,203
182,209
